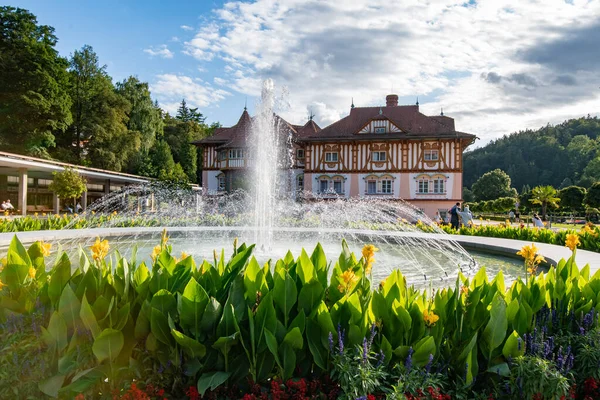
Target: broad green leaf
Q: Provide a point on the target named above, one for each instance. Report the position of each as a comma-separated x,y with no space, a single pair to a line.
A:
52,385
495,331
211,380
57,328
193,304
423,348
306,269
108,344
60,275
87,317
192,347
285,294
272,345
69,306
159,325
294,339
310,296
514,346
164,301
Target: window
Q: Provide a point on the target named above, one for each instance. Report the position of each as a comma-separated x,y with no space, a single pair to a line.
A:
337,187
423,186
300,182
438,186
222,155
323,186
221,183
380,129
431,155
386,186
236,153
371,187
300,155
95,187
331,157
44,182
378,156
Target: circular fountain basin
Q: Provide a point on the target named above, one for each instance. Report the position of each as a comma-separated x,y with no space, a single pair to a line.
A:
421,263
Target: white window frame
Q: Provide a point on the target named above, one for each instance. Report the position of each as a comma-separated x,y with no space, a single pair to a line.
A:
329,156
321,191
300,155
439,186
387,186
236,154
371,182
431,155
341,186
379,156
423,186
379,129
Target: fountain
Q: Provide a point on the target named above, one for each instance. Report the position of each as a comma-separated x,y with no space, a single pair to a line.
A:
198,224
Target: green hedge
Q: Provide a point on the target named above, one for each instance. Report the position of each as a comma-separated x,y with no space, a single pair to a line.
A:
223,322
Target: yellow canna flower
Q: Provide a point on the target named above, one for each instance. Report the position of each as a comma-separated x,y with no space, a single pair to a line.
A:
2,284
430,318
164,237
532,259
368,253
32,272
572,241
45,248
155,252
184,255
100,249
43,214
35,215
464,290
115,212
93,212
348,279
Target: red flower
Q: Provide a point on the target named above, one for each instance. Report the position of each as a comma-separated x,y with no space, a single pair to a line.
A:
370,397
192,393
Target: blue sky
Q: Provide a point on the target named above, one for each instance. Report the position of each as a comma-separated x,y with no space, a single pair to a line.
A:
494,66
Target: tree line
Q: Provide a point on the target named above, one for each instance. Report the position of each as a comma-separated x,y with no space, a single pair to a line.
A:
560,156
69,109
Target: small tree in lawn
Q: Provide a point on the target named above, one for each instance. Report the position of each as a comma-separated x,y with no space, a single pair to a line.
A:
68,184
571,197
544,196
592,198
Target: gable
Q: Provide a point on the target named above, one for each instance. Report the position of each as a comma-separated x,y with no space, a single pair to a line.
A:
380,126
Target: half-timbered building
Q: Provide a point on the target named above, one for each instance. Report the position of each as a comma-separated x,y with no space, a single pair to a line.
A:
388,152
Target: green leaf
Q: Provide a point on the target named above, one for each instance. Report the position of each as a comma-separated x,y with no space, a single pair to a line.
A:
211,315
69,306
108,344
57,328
159,325
59,276
192,347
495,331
272,345
306,269
310,296
423,348
294,339
313,337
87,316
193,303
164,301
211,380
512,345
289,361
52,385
285,293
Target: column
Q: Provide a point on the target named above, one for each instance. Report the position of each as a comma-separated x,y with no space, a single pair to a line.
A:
152,202
22,200
106,187
84,200
56,203
3,187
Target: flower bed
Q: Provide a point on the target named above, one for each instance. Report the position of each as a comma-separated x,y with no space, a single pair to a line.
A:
298,328
589,234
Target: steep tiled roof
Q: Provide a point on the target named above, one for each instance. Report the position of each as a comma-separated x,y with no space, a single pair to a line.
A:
407,118
237,135
310,128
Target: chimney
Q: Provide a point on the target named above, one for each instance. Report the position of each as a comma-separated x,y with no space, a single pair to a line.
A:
391,100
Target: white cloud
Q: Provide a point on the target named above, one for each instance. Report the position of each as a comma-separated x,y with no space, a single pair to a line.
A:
170,89
485,63
186,28
159,51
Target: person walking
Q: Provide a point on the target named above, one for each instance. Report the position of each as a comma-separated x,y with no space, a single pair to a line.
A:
454,215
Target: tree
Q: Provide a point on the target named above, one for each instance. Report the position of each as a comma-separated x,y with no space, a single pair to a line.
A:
591,173
572,197
504,204
592,198
68,184
493,185
34,103
99,134
179,134
468,195
545,196
565,183
186,114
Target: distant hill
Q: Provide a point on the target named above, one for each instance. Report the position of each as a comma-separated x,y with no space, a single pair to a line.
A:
551,155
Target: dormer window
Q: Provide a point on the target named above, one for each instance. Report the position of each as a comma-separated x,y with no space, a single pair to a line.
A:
380,129
300,155
431,155
379,156
331,157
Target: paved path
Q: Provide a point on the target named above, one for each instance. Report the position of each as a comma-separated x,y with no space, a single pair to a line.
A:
506,247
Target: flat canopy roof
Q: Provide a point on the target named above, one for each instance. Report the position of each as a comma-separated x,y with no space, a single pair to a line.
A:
10,164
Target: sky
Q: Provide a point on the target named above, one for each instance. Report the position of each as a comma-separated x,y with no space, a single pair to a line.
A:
495,66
